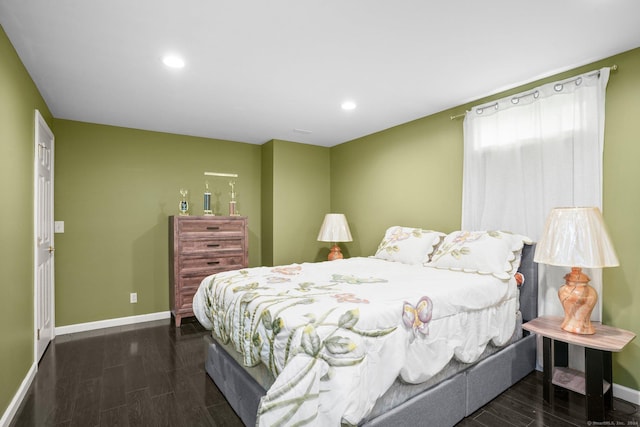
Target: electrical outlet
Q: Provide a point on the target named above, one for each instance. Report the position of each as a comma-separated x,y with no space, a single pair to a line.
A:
133,297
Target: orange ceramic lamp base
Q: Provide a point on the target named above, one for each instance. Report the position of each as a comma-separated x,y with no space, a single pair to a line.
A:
335,253
578,300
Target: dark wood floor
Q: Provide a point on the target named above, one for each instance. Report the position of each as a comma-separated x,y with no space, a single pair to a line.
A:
151,374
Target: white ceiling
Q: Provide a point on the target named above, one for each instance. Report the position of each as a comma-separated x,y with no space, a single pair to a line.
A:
258,70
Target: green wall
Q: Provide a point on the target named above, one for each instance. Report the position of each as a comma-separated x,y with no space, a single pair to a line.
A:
298,191
267,203
19,98
409,174
115,189
412,175
621,209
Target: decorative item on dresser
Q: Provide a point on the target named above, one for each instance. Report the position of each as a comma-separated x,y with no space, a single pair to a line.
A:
233,211
184,202
198,247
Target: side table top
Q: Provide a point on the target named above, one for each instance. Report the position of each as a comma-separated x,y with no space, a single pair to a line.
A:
606,338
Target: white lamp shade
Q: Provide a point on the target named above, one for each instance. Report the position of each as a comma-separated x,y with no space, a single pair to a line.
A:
334,229
576,237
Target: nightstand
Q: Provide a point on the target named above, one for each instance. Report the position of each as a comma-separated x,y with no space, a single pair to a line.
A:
596,382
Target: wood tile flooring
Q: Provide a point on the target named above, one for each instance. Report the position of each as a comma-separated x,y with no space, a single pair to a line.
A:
151,374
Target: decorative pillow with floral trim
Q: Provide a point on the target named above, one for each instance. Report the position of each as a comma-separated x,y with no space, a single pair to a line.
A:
484,252
408,245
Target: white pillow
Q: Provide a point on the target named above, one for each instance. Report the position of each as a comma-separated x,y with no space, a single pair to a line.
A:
484,252
408,245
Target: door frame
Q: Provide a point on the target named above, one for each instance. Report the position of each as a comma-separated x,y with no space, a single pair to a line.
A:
39,120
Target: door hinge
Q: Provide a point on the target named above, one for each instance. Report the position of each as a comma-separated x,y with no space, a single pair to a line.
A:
38,334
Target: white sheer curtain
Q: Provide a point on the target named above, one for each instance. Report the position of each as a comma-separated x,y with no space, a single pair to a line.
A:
529,153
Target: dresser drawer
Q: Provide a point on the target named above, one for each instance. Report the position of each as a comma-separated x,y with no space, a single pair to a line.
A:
190,266
203,244
185,297
212,226
190,282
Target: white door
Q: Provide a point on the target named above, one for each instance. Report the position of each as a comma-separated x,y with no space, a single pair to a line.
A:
43,226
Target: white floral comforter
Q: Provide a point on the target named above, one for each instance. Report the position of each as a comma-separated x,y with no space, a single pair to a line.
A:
337,334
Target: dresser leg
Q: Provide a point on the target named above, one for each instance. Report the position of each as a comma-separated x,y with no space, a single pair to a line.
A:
178,320
547,369
594,374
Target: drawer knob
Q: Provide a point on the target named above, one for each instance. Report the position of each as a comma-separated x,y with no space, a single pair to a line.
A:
213,245
213,228
213,262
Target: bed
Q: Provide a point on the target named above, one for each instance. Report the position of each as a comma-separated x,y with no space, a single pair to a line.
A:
425,331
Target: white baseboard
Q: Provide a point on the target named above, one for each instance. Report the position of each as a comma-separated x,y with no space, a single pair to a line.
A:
109,323
626,393
13,407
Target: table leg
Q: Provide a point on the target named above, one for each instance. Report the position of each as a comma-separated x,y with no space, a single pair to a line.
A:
560,354
594,374
608,377
547,370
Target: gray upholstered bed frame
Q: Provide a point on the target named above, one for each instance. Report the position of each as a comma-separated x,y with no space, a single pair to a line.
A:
444,404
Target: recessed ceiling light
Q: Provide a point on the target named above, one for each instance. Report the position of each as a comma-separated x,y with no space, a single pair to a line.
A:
305,131
348,105
173,61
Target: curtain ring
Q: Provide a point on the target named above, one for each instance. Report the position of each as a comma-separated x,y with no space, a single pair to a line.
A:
479,110
558,87
578,81
515,100
536,94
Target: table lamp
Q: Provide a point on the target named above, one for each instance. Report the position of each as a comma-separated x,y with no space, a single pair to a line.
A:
334,229
576,238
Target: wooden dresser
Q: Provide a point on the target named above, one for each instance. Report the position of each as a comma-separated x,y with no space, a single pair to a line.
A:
200,246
